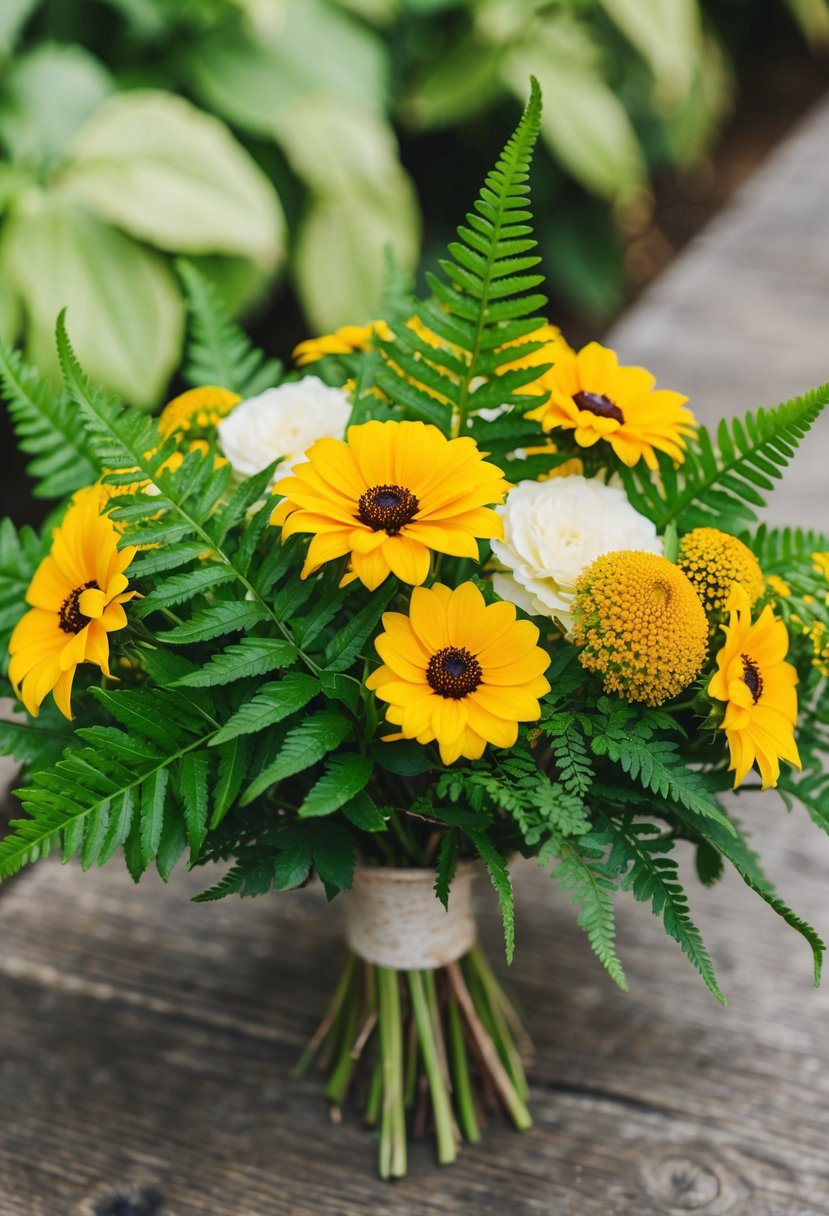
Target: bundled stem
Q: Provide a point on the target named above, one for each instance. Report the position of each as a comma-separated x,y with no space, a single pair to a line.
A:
441,1047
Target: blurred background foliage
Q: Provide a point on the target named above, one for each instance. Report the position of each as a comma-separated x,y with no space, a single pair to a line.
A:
286,143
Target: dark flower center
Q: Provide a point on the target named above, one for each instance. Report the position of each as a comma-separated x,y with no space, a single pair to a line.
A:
752,678
453,672
598,404
72,620
387,508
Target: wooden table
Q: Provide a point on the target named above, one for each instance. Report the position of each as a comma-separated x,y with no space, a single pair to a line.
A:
146,1040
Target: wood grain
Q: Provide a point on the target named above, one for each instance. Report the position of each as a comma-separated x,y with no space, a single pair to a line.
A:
145,1040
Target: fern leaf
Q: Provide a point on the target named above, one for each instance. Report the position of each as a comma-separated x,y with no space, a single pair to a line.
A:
248,657
46,425
304,746
344,777
654,879
218,350
270,704
583,875
484,298
721,483
499,877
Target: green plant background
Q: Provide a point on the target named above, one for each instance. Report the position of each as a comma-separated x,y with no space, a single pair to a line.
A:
261,138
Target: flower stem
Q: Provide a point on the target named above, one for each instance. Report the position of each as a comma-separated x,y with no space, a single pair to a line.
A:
486,1048
332,1014
393,1121
460,1074
496,1023
441,1106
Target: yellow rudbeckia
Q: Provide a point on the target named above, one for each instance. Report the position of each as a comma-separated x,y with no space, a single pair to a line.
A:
77,597
594,397
758,687
387,496
459,671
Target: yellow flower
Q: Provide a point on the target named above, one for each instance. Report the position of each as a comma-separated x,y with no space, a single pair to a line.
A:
199,409
458,671
641,625
593,396
77,597
758,687
778,586
820,561
344,341
714,561
387,496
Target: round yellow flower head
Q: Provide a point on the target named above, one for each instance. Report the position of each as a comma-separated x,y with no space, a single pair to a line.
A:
344,341
197,410
387,496
714,561
597,399
459,671
758,688
640,624
77,597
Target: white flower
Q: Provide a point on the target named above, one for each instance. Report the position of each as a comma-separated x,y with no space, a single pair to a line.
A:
553,530
283,421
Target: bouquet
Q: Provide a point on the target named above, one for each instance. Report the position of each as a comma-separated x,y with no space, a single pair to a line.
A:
451,593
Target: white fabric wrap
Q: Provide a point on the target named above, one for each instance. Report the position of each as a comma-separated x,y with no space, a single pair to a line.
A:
394,918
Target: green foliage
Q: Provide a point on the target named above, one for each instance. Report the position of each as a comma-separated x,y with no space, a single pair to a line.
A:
496,867
46,427
583,873
218,350
483,301
626,737
724,478
638,854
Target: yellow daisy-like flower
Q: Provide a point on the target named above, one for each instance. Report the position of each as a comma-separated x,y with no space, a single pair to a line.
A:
593,396
199,409
458,671
387,496
758,687
640,624
77,597
344,341
714,561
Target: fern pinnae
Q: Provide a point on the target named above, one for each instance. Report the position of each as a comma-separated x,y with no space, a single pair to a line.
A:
218,351
131,442
46,428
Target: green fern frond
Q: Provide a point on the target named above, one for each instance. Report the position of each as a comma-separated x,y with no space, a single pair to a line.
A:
108,783
726,477
484,299
218,350
654,878
583,874
735,849
776,549
46,425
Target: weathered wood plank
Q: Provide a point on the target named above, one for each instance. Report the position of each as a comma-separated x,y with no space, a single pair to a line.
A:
145,1040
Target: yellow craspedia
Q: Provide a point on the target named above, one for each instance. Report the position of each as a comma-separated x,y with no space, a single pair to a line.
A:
197,410
714,561
640,625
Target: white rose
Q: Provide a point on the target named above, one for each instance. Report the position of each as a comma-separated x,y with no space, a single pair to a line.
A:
553,530
284,422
